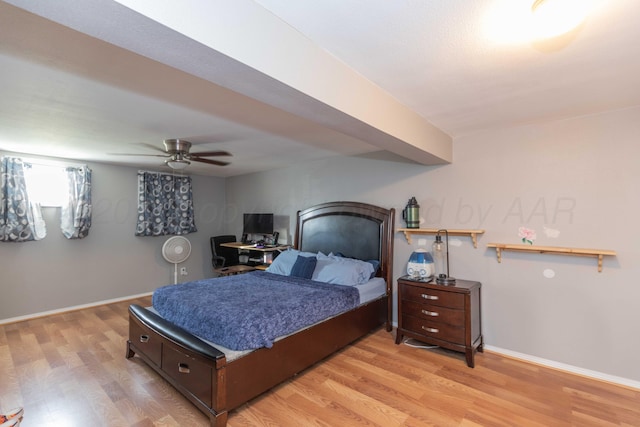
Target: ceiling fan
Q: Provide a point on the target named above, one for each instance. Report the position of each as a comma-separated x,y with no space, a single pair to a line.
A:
178,156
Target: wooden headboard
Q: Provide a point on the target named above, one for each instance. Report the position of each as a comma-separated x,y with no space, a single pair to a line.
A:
357,230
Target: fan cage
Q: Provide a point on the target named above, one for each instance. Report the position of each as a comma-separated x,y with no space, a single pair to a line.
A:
176,249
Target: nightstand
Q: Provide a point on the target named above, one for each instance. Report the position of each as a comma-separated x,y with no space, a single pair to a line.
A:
443,315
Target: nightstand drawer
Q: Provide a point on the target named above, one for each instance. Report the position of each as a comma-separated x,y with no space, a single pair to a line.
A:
432,296
433,312
441,331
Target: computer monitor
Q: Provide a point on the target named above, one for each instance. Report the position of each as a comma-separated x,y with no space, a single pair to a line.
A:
258,223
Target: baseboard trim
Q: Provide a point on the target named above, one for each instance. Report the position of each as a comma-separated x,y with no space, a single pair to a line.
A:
551,364
72,308
625,382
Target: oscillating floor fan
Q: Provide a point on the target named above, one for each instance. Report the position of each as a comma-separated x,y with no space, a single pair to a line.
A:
176,250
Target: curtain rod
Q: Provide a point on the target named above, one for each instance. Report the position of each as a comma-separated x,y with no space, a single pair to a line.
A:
47,162
164,173
64,163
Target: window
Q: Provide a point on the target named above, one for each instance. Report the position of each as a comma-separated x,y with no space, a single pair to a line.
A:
165,204
47,185
68,188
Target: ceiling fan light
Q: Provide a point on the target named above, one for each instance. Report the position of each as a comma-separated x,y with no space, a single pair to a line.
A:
177,164
555,17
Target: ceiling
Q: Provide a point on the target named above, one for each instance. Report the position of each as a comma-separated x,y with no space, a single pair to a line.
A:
278,82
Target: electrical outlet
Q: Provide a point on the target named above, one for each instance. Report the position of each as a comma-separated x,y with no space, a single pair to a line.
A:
183,271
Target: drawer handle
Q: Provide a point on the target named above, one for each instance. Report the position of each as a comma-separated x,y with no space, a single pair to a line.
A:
432,330
144,338
183,368
431,313
431,297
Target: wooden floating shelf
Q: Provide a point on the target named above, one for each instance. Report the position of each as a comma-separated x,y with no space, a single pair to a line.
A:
596,253
471,233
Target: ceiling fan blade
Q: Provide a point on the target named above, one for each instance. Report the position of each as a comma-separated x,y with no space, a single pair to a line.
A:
209,161
138,154
149,146
153,147
210,153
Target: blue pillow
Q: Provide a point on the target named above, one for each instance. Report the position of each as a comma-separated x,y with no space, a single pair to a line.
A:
342,271
303,267
283,263
376,264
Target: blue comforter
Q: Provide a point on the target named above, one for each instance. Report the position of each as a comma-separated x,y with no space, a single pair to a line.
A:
249,311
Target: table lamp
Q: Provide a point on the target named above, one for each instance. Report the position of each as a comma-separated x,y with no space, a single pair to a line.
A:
440,256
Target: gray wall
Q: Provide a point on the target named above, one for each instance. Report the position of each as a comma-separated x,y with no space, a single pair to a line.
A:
573,182
574,179
55,273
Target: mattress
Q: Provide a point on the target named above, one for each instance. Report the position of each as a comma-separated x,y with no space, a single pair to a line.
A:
368,291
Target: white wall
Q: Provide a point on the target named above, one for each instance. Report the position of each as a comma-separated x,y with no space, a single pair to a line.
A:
575,178
55,273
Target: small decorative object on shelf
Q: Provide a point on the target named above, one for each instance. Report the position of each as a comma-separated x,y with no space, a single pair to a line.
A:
441,260
411,213
597,253
527,235
471,233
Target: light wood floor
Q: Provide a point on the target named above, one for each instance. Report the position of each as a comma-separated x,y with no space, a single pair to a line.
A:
70,370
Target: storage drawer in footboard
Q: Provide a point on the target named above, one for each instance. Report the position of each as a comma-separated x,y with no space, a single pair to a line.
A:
188,372
147,343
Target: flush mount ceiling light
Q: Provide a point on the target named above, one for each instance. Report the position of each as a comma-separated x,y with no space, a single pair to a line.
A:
513,22
552,18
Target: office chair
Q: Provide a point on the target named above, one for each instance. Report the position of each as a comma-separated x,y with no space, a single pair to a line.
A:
221,256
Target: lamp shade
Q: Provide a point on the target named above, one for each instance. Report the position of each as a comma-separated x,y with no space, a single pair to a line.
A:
178,164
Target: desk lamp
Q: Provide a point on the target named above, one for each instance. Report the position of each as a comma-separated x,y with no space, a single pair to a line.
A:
439,256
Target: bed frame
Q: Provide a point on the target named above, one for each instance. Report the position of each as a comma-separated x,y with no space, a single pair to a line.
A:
201,372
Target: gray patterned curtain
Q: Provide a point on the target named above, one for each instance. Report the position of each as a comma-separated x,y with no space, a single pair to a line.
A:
165,205
16,213
75,216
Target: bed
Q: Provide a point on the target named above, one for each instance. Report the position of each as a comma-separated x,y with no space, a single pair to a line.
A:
217,380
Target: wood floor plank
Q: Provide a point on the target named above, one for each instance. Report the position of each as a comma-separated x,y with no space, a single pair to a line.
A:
281,411
384,386
70,369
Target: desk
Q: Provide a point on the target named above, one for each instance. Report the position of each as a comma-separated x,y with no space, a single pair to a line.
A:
234,269
253,247
265,252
